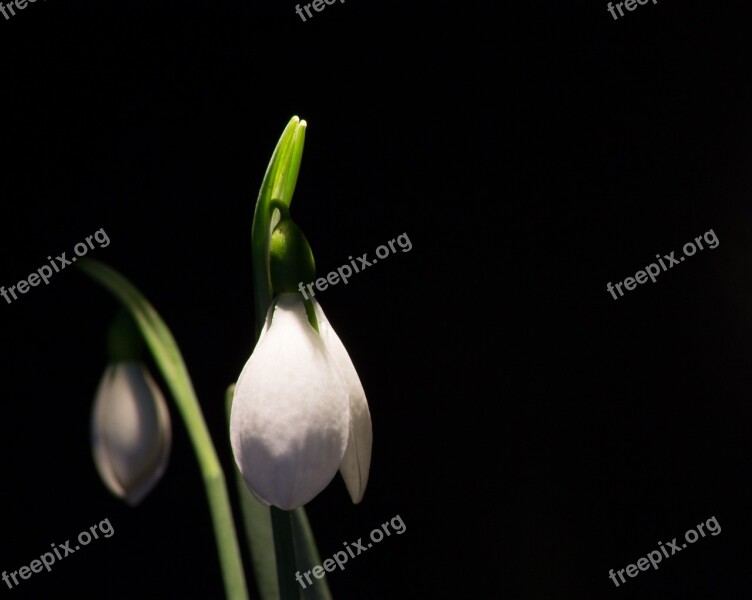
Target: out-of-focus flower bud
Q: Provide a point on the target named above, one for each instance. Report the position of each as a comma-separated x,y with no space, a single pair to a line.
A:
131,433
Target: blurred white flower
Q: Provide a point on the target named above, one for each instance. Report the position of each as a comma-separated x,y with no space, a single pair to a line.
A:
299,411
131,433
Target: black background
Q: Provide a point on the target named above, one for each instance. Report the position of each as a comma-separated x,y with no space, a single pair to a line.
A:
531,431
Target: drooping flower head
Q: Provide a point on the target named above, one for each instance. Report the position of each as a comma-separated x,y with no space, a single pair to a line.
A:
299,411
131,433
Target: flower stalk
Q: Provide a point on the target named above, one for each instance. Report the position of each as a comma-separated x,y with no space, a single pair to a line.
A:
168,358
277,187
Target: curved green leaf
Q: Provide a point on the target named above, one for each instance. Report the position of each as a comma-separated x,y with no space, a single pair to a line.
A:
167,356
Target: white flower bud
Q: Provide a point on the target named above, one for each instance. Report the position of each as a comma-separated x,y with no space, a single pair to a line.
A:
131,433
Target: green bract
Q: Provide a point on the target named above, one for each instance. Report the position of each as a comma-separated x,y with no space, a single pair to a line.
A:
278,185
124,342
290,257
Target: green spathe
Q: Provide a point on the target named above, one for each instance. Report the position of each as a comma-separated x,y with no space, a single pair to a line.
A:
124,342
277,187
290,257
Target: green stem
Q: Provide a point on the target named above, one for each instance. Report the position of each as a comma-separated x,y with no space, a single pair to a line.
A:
284,546
168,358
225,535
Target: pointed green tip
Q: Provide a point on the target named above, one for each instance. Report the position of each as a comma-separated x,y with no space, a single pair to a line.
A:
285,175
278,185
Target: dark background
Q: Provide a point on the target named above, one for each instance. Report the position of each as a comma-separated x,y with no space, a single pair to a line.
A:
532,432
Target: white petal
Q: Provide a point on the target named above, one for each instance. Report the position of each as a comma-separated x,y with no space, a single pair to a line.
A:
356,463
290,411
131,431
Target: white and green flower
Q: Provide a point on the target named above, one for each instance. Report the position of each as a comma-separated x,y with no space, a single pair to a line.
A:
299,412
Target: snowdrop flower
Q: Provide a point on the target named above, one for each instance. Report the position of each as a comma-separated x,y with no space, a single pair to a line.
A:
299,411
130,431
